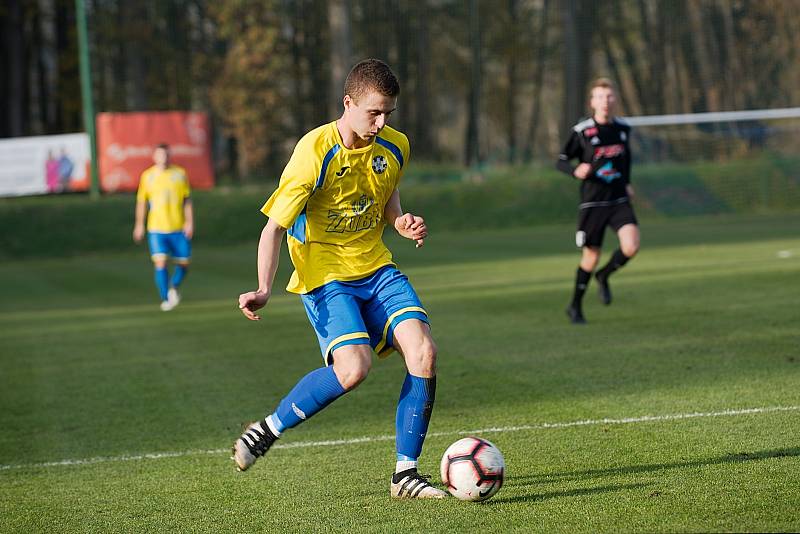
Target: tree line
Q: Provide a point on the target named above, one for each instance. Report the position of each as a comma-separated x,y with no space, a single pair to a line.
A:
483,81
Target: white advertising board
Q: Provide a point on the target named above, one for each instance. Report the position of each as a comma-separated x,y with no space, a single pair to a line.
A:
44,164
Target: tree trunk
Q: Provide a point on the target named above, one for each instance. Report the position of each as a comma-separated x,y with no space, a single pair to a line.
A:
540,45
399,13
703,56
513,82
48,57
136,75
294,10
318,34
16,80
423,136
341,50
577,38
472,156
733,68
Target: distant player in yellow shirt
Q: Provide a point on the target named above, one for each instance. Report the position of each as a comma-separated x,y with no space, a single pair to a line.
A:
336,195
164,197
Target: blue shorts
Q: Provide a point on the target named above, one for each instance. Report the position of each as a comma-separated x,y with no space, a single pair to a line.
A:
174,244
362,312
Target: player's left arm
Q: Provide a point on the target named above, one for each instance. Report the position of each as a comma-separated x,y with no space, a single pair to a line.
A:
188,218
407,225
188,207
141,210
626,168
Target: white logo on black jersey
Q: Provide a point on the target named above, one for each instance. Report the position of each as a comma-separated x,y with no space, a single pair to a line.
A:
595,140
623,136
378,164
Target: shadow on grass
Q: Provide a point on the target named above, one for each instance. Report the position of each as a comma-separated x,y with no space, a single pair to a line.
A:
570,493
741,457
537,480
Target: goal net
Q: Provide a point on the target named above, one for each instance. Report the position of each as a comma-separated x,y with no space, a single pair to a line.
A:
719,162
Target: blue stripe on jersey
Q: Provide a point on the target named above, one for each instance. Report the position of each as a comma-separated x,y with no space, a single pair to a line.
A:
392,148
298,229
325,161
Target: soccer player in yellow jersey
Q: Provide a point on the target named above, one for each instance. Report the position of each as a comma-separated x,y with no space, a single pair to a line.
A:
164,197
336,195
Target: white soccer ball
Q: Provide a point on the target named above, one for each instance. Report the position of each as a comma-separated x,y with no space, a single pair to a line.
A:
473,469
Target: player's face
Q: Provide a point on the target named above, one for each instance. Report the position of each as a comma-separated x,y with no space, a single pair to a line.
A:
602,101
368,116
161,157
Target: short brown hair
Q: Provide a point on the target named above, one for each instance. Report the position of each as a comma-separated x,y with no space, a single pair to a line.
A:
605,83
371,75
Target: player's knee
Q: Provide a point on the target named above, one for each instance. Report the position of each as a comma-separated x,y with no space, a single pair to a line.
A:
629,249
589,259
352,376
353,370
422,360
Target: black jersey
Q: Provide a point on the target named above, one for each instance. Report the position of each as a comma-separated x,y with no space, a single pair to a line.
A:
606,147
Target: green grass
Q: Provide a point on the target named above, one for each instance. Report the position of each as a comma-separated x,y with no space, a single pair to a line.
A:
704,320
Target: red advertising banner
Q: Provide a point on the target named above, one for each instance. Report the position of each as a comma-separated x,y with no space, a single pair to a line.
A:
125,143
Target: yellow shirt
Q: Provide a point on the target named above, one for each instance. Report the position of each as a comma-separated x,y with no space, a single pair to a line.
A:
331,199
165,193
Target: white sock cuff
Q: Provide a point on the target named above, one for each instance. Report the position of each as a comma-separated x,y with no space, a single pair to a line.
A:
272,427
403,465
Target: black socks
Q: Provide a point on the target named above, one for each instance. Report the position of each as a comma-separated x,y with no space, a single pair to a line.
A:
618,259
581,283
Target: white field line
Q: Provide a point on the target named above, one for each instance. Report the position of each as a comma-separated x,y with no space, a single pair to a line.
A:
371,439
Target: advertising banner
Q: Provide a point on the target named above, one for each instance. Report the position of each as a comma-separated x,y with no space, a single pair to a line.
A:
44,164
125,143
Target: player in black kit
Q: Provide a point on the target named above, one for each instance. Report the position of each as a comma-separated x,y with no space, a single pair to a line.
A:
600,144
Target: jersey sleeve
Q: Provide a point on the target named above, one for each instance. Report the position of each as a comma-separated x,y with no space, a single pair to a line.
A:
626,163
142,193
572,150
295,187
186,188
405,149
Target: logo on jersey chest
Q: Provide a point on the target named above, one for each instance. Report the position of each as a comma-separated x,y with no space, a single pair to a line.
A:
379,164
608,151
357,218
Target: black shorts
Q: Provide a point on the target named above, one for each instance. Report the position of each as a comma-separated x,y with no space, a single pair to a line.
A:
592,222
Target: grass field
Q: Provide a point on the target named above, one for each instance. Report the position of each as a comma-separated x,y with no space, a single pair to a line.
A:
118,417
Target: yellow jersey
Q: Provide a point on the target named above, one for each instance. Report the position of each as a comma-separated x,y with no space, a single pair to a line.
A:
165,193
331,199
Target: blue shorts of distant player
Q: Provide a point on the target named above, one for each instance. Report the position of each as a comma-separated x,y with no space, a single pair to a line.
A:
364,311
173,244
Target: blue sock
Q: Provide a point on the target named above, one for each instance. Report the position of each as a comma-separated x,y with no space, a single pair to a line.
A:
413,415
178,275
312,393
162,282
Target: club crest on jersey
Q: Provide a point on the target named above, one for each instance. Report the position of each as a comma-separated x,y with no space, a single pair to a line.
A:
379,164
608,173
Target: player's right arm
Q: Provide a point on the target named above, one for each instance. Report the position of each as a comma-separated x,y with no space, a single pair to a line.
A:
283,207
269,248
141,211
573,150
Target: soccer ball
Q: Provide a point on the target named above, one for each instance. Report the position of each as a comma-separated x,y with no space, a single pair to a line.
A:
473,469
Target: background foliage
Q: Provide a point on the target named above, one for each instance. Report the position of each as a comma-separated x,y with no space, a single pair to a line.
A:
483,81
